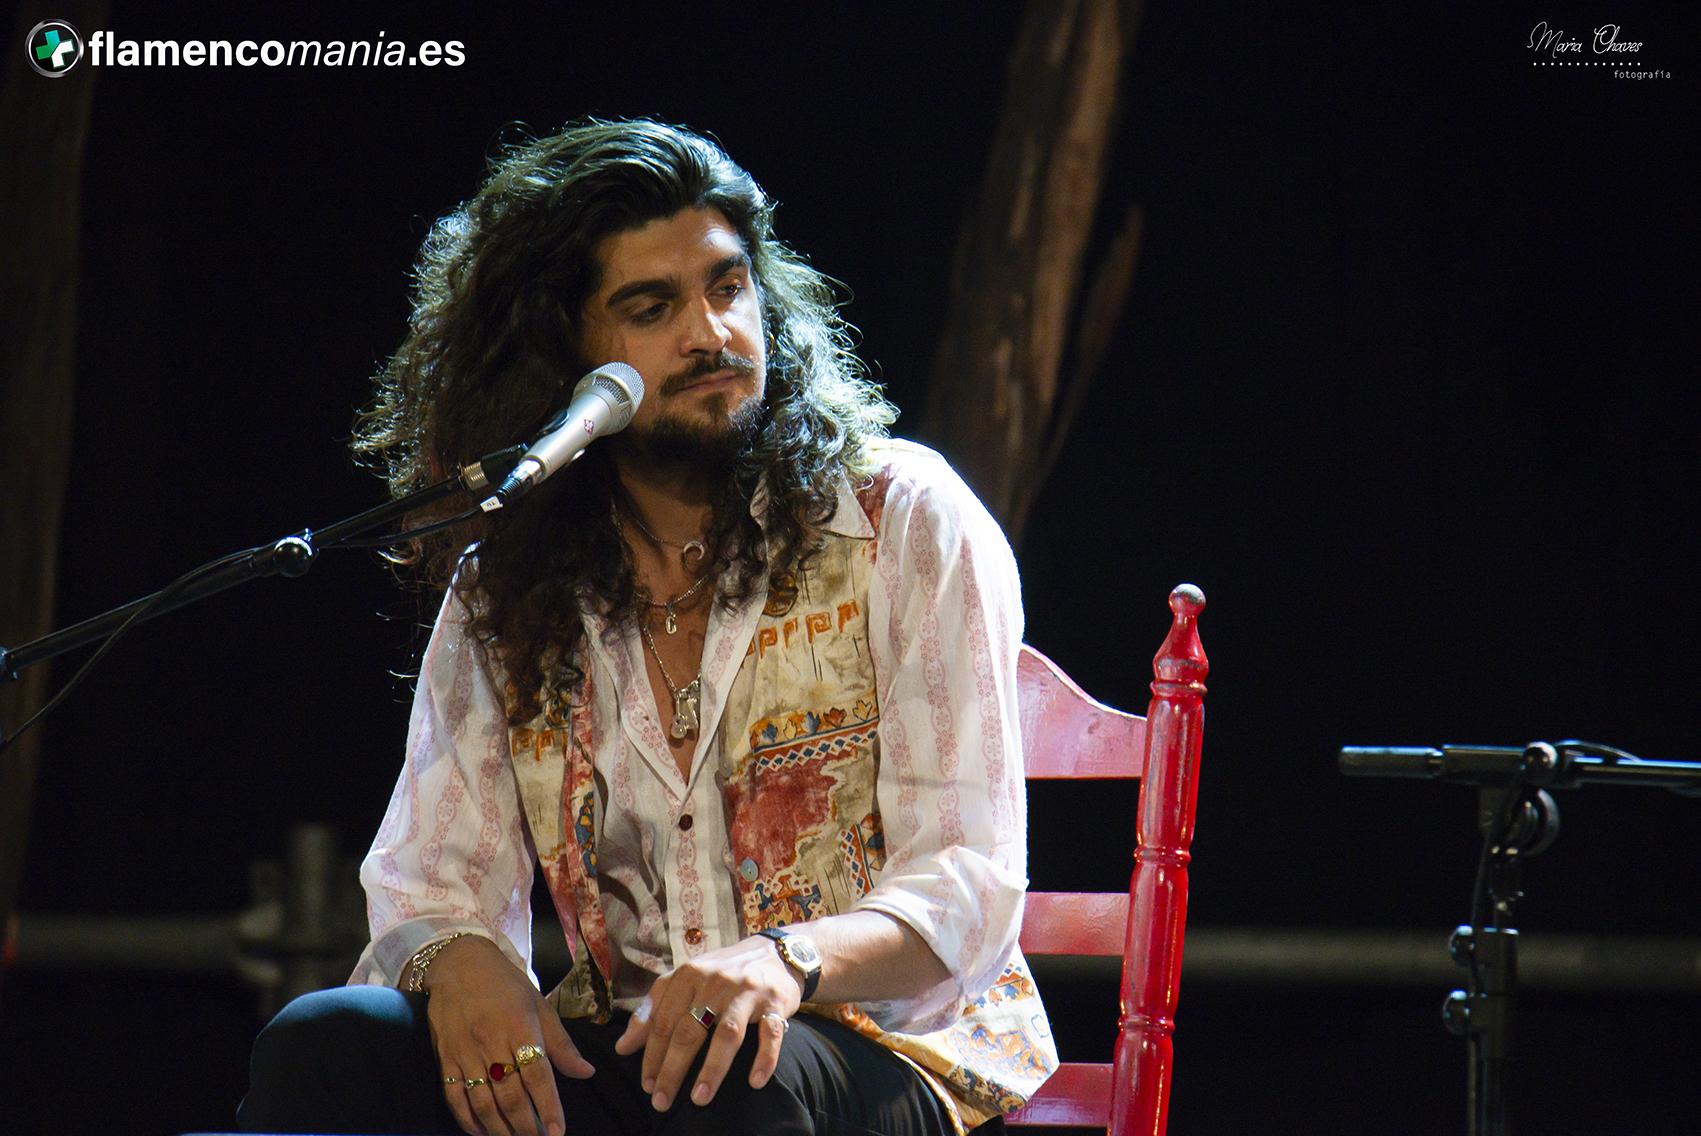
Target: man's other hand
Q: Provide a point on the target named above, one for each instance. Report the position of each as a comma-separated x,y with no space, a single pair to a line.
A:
743,985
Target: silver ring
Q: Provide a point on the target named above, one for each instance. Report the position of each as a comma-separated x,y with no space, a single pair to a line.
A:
785,1022
705,1017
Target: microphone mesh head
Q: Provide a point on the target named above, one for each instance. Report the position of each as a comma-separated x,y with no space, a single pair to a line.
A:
619,385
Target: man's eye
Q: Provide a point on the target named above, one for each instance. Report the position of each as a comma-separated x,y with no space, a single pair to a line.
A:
731,289
650,314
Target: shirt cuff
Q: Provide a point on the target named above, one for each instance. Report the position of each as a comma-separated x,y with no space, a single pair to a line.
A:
973,957
385,959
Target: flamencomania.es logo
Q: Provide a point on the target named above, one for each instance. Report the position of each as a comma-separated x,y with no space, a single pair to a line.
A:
54,47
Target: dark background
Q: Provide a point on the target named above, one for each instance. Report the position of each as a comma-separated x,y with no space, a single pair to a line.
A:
1404,384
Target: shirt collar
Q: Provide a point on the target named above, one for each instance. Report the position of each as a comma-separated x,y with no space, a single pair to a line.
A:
848,518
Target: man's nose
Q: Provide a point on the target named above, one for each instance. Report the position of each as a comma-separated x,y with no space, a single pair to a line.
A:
705,329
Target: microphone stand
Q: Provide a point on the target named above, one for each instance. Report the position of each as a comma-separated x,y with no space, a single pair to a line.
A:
290,556
1518,819
1516,823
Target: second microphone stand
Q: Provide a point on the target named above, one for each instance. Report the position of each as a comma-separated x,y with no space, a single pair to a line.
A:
1517,821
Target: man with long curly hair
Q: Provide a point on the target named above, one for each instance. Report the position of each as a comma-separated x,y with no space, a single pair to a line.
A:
741,682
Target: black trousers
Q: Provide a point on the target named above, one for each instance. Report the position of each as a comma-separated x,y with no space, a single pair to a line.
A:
359,1060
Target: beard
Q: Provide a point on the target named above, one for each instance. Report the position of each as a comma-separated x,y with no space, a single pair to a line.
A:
713,441
712,436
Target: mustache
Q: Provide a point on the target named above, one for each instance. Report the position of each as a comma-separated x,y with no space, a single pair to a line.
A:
707,365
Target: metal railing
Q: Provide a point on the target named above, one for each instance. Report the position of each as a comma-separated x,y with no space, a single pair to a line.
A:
306,926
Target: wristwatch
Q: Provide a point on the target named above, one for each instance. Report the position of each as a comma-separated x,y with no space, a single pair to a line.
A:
799,953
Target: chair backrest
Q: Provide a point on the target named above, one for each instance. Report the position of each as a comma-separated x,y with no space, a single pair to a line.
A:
1067,734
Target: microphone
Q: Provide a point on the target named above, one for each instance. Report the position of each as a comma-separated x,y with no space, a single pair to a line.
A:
603,403
1474,765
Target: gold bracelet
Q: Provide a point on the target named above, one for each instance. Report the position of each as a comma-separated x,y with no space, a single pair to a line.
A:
422,959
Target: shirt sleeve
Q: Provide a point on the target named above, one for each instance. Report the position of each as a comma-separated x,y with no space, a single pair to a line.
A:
453,853
945,618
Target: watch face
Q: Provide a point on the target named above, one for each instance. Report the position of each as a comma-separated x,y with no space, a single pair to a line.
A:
802,950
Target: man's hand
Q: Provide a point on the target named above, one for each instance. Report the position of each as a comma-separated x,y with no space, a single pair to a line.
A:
482,1009
745,984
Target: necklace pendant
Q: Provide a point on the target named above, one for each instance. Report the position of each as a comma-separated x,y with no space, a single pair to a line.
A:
671,624
691,551
685,708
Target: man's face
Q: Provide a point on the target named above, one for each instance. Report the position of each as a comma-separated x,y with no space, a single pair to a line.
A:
677,302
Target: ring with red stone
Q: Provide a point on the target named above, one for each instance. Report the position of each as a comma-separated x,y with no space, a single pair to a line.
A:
500,1069
705,1017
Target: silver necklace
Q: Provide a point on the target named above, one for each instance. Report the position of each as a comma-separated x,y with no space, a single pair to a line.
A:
688,550
671,624
686,700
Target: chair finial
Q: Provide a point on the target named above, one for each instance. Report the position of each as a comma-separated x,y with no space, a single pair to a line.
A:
1182,657
1186,599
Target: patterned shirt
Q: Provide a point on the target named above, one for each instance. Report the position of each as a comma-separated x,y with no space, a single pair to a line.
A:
943,847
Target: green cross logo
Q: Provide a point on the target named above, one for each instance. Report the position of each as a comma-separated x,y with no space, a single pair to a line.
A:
54,47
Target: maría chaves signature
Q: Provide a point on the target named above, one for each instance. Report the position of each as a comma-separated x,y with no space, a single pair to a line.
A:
1604,41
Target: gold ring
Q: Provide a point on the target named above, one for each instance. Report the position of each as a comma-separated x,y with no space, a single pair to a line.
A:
526,1054
475,1082
451,1080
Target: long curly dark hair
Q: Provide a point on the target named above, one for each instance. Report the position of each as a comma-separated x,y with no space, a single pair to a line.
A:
493,349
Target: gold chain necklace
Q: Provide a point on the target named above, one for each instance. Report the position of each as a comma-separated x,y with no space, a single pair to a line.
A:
671,623
687,700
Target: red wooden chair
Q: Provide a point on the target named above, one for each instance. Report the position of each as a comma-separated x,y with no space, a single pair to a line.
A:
1068,734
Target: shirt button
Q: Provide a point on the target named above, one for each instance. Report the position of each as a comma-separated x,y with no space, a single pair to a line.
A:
693,935
748,870
685,823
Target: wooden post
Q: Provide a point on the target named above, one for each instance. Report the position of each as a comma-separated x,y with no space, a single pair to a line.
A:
45,123
1033,309
1157,907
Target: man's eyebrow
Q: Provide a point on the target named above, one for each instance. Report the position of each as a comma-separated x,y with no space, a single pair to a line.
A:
657,287
726,264
666,287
